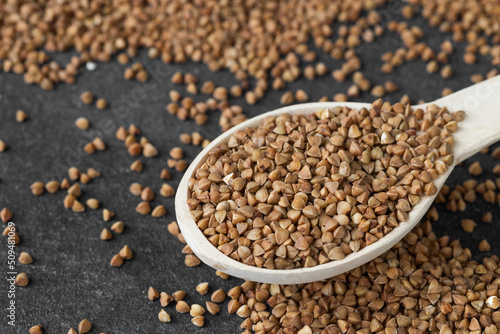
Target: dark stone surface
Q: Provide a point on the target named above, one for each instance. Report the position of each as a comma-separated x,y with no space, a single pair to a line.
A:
70,278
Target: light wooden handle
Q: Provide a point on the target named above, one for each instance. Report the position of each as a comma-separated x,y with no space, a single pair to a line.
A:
481,126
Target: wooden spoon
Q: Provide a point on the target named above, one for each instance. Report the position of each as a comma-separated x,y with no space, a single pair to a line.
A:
479,129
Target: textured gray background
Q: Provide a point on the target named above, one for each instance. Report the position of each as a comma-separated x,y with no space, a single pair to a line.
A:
71,278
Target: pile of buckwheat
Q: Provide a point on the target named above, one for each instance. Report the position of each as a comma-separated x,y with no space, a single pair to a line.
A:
298,191
424,284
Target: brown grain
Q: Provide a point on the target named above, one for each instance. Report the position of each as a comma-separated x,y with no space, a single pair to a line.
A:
6,215
118,227
87,97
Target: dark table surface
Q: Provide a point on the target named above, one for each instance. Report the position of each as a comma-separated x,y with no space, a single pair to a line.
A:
70,278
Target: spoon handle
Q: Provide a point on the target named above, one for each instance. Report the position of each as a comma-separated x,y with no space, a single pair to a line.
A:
481,126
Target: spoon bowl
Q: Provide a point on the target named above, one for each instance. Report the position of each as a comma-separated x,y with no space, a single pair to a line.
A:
480,129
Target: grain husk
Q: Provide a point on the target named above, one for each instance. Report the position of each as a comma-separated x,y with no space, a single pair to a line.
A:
25,258
21,280
182,307
126,253
153,293
37,329
163,316
84,326
6,215
118,227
